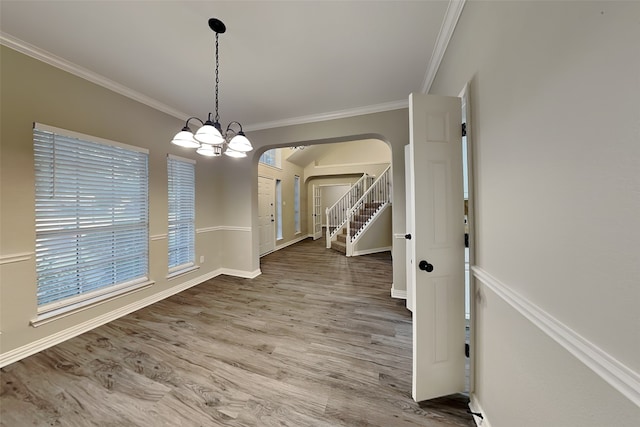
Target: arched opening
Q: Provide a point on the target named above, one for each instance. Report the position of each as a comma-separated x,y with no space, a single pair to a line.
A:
294,180
297,183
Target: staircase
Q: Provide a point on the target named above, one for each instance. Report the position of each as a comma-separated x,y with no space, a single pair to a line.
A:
355,218
358,221
340,244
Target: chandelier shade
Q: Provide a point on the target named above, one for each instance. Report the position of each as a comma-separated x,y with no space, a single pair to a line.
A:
209,134
233,153
209,140
185,138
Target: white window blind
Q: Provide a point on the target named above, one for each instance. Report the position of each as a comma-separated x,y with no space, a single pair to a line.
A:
181,234
92,229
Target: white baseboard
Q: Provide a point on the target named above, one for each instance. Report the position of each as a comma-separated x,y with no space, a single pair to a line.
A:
241,273
614,372
475,407
398,293
371,251
51,340
292,242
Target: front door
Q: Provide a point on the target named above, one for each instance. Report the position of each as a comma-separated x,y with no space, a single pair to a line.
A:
266,220
437,246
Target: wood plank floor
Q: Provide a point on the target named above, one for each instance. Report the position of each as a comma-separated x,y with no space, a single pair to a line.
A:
315,340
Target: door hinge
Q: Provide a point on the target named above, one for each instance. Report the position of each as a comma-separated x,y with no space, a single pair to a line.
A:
467,349
464,129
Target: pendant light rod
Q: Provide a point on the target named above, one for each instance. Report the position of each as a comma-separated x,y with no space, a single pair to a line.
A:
209,140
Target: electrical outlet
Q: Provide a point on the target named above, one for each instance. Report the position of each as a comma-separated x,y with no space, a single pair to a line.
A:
201,259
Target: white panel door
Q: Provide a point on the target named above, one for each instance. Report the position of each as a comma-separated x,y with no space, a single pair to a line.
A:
410,273
266,220
438,246
317,212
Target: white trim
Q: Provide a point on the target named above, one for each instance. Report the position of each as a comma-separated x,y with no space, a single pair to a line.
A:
337,165
158,237
614,372
371,251
208,229
235,228
17,257
292,242
51,340
454,9
398,293
222,228
267,253
55,61
399,236
474,406
340,114
179,273
70,309
61,63
182,159
84,137
241,273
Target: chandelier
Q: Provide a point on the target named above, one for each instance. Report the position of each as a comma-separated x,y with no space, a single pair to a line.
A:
209,140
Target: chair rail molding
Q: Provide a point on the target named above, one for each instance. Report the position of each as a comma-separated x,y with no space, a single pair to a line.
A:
17,257
614,372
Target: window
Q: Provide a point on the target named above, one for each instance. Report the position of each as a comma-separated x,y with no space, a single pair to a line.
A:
278,209
92,226
181,236
296,202
272,158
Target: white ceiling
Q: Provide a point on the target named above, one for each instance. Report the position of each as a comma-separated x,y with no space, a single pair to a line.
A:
279,60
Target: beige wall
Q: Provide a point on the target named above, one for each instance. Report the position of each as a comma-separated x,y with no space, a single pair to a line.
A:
226,189
33,91
555,121
369,156
363,152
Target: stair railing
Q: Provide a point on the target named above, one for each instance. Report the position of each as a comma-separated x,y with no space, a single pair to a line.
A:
337,214
377,196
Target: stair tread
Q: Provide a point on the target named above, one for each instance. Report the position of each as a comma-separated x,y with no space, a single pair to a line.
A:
339,246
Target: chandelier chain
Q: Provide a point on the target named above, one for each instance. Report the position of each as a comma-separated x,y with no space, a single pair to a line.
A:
217,81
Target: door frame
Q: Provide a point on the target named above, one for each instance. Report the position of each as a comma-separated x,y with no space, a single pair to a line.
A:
471,222
316,211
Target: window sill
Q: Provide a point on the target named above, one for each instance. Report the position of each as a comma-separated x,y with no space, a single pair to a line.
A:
59,313
176,274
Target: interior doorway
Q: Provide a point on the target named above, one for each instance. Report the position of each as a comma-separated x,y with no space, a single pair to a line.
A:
329,195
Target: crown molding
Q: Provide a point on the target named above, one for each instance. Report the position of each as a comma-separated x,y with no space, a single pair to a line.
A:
340,114
454,9
58,62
